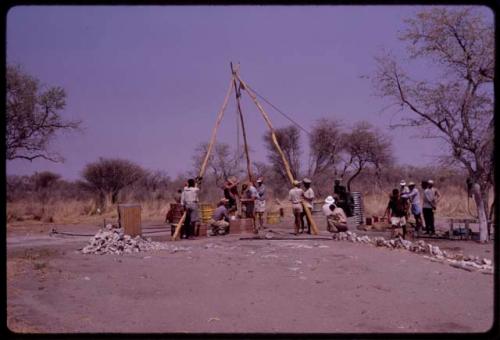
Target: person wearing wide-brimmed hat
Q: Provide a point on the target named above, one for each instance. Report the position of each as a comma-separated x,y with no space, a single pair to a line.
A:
219,222
416,210
308,202
260,201
295,196
336,220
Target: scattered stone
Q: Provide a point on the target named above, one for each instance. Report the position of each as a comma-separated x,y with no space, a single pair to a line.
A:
112,240
435,254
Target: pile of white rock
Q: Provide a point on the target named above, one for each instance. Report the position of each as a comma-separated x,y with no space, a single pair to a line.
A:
111,240
431,252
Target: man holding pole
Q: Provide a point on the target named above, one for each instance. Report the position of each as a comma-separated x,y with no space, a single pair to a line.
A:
295,196
308,202
189,200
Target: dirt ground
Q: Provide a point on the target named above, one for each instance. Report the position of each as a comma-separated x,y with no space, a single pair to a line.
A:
227,285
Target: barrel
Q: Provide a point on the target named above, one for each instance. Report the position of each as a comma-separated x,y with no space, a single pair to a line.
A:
273,217
177,212
317,207
207,211
358,207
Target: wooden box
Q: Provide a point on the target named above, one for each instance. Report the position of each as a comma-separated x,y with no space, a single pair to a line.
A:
234,226
201,230
129,217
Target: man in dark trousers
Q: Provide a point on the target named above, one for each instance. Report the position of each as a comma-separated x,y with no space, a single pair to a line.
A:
189,200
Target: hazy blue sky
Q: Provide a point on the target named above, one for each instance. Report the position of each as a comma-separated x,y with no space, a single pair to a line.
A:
147,82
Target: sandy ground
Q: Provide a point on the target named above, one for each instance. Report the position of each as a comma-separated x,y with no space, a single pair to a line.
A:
227,285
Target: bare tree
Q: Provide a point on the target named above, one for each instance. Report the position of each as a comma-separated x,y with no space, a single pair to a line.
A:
223,162
325,142
33,117
289,141
108,177
365,146
458,107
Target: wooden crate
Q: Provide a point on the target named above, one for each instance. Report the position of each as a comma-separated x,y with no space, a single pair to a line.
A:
129,216
242,225
201,230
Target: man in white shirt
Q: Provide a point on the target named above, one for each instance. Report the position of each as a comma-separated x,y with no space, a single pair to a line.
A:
189,200
260,201
295,197
308,202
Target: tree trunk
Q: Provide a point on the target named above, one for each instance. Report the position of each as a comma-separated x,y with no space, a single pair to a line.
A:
352,178
480,204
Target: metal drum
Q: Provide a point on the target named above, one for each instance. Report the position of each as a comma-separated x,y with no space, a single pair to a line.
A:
207,211
177,211
358,208
317,207
273,217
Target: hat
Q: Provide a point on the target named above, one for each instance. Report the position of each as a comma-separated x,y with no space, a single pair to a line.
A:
259,180
223,200
330,200
402,182
295,182
306,180
411,184
430,181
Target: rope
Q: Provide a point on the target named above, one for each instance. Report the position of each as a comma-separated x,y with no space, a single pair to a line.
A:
279,111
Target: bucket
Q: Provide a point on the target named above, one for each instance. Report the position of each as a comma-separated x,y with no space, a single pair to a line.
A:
207,211
273,217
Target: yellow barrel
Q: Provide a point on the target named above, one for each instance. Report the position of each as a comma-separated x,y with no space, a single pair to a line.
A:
273,217
207,211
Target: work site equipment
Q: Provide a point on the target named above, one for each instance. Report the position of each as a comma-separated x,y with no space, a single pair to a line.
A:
237,84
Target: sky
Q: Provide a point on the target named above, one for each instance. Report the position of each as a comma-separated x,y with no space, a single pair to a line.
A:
147,81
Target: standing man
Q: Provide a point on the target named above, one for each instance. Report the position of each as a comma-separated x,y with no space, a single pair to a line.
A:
414,198
403,189
249,196
295,196
231,193
308,202
189,200
260,201
429,206
396,212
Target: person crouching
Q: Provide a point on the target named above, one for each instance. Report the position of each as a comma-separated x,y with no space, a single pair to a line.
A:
336,220
219,223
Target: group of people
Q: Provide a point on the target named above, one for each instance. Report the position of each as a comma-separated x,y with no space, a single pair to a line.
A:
297,196
250,202
406,200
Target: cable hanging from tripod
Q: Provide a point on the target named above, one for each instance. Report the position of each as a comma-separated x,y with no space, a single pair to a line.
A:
278,110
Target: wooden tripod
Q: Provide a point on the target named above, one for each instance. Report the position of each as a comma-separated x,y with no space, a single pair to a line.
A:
233,84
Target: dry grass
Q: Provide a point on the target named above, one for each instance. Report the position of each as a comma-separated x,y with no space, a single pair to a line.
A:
453,204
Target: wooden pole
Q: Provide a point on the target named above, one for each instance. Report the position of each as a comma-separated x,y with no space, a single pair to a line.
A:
249,170
314,229
209,150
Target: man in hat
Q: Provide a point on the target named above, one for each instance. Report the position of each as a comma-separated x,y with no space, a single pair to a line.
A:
328,212
429,206
220,219
189,200
249,194
414,197
336,220
403,189
396,213
295,196
260,201
308,202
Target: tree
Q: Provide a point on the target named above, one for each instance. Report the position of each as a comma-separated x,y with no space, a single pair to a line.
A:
364,147
289,140
33,117
325,142
458,107
223,162
108,177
